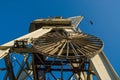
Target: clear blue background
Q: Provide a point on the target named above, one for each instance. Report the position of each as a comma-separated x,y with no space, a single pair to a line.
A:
16,15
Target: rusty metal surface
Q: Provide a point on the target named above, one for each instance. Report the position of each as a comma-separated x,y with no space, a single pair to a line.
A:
58,43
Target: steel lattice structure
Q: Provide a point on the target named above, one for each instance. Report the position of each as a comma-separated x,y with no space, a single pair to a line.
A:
56,49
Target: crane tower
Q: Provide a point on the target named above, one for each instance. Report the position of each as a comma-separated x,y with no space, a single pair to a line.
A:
56,49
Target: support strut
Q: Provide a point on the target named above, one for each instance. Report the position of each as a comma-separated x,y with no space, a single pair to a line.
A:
9,67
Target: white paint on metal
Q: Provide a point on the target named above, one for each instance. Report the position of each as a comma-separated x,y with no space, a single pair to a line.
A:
52,19
3,53
76,20
34,34
103,68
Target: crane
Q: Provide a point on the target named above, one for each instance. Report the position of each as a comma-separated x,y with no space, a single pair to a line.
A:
57,48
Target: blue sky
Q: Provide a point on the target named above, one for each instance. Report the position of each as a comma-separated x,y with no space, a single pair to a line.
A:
16,15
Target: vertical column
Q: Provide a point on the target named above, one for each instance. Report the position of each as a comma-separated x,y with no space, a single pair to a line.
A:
34,67
9,67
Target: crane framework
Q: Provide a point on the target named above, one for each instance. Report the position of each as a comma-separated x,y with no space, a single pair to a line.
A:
56,49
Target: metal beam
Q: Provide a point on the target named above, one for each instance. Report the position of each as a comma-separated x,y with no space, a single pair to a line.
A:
34,34
103,68
9,67
22,70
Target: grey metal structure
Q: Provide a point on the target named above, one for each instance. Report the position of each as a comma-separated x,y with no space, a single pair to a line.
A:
59,50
